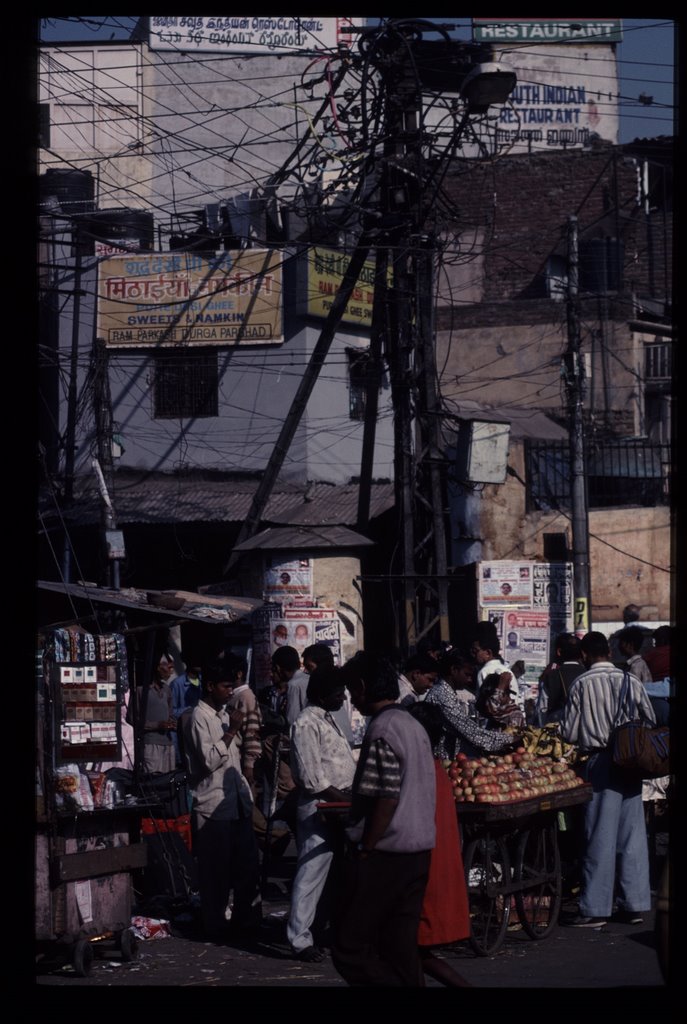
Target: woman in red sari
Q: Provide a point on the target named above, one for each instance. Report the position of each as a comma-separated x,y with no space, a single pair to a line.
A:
445,916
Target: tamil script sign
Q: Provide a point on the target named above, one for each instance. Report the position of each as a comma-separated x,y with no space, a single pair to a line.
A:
177,298
250,35
547,30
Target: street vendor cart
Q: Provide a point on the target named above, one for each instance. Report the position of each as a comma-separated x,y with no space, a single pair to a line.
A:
93,799
86,841
512,862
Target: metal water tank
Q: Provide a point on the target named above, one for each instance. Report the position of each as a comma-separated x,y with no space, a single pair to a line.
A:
124,228
66,190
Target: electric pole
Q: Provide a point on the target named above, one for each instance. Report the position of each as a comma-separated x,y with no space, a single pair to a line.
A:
574,379
419,463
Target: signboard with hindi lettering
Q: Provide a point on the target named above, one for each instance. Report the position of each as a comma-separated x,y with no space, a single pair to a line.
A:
177,298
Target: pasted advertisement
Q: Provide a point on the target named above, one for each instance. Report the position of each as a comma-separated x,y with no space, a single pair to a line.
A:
308,626
286,582
552,588
175,298
529,603
262,622
525,638
505,583
300,628
250,35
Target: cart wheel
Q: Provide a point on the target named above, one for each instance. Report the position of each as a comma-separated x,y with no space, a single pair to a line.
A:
128,945
538,872
82,958
487,871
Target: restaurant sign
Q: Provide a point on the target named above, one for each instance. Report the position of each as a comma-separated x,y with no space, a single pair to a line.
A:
547,30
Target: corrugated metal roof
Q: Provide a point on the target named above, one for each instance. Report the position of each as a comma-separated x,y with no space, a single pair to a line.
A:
524,423
276,538
164,498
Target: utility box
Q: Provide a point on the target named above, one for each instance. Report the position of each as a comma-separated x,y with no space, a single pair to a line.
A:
482,451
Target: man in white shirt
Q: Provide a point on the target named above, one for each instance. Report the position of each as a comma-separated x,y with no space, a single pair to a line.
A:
485,650
323,767
223,837
421,673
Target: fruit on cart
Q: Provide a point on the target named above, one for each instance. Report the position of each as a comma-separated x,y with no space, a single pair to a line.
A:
547,739
502,779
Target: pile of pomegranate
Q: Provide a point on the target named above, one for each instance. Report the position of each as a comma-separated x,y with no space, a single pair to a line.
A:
508,777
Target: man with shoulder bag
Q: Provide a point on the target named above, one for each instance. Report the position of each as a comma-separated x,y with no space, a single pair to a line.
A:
601,699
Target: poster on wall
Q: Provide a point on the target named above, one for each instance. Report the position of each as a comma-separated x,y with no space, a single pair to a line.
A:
505,583
261,622
552,589
529,603
307,626
526,638
288,581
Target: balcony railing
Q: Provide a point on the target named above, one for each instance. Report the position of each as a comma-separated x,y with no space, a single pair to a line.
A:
618,473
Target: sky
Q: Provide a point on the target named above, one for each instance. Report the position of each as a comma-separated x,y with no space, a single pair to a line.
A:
646,59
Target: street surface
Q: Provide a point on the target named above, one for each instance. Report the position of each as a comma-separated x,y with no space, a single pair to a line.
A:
617,956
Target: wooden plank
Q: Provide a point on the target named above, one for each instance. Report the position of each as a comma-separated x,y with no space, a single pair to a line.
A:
73,867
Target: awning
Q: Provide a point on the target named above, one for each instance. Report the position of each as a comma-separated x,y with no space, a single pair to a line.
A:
177,605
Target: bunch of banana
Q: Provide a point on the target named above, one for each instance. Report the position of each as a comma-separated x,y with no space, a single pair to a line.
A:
547,741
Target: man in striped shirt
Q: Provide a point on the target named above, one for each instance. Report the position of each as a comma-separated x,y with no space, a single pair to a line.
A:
614,817
390,839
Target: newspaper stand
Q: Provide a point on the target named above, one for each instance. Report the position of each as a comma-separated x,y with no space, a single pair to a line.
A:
85,853
511,860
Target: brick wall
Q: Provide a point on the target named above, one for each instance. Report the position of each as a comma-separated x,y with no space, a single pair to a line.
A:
521,204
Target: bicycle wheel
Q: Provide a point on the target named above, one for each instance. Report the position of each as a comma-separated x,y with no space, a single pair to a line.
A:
487,871
538,874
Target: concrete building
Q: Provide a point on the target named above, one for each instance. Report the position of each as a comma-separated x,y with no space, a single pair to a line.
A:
231,152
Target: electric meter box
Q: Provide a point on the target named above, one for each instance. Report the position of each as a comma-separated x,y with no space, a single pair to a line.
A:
482,451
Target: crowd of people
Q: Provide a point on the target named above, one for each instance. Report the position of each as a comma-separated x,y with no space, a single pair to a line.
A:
382,886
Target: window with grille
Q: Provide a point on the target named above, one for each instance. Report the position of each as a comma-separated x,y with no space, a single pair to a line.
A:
658,362
618,473
186,384
358,372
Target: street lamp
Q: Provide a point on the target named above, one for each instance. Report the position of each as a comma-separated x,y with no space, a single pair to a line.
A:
487,84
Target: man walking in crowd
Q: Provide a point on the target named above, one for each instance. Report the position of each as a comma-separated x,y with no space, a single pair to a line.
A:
614,818
315,656
223,838
630,643
556,680
155,710
659,662
243,699
391,838
631,616
486,651
323,768
421,673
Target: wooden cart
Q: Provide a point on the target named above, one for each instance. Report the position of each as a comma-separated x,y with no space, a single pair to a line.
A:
512,861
